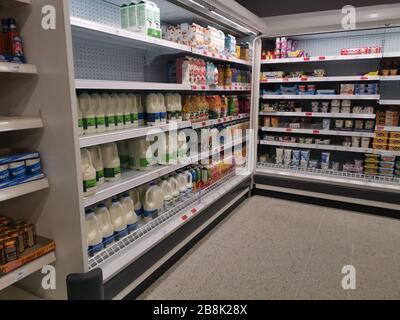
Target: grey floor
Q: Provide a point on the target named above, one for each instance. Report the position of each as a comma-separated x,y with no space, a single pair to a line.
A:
276,249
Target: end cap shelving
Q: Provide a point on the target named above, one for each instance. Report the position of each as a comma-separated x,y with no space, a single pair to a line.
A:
23,189
19,123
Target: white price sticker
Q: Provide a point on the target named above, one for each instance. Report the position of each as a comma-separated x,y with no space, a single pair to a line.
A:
20,274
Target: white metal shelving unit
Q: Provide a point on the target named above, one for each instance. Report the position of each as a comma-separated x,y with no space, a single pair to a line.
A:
234,87
19,123
320,115
126,85
320,97
322,79
209,123
23,189
15,3
323,58
17,68
321,132
388,128
389,102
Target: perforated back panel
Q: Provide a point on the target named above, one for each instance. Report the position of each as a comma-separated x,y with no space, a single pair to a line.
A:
97,11
390,90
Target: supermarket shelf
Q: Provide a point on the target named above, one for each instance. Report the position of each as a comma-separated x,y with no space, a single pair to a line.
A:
324,58
131,179
321,97
233,87
389,102
19,123
315,146
320,115
390,78
97,139
23,189
127,85
20,273
14,3
209,123
219,57
118,256
15,293
387,128
391,54
330,176
321,132
323,79
101,32
6,67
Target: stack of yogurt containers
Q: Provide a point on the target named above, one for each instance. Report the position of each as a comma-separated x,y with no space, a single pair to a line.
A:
19,168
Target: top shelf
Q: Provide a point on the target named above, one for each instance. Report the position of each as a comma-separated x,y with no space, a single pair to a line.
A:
7,67
92,30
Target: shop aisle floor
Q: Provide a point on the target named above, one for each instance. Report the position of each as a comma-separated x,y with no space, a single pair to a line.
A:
276,249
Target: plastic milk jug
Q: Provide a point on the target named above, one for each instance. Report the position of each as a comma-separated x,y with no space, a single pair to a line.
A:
182,146
178,106
97,159
112,164
140,154
141,110
153,114
162,108
137,203
118,220
123,154
100,113
80,118
88,174
170,104
94,236
134,110
106,227
108,105
118,107
89,113
182,185
168,198
129,212
174,189
126,110
153,203
189,183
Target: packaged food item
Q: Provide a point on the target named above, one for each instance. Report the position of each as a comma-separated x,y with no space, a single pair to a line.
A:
385,164
313,164
380,146
305,155
359,124
347,89
335,109
325,160
297,155
392,147
395,135
380,140
326,124
355,142
339,124
394,141
348,124
388,158
386,171
369,125
365,142
372,158
274,122
381,134
346,103
336,166
279,155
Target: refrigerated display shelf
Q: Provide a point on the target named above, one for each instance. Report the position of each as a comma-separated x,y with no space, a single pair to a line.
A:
86,84
390,78
26,270
19,123
331,176
233,87
322,79
320,97
389,102
388,128
114,136
209,123
132,247
101,32
324,58
18,68
131,179
320,115
23,189
321,132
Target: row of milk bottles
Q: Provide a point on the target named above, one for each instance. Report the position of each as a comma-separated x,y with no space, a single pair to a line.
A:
119,216
99,113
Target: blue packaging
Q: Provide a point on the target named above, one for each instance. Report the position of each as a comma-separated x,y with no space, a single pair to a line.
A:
4,173
33,167
17,170
19,157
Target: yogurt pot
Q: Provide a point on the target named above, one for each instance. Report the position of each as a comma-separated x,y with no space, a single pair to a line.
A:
4,173
17,170
33,167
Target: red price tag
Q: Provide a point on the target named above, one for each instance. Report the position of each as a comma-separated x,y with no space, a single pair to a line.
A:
184,218
194,210
304,79
225,119
321,58
364,78
203,87
205,53
380,128
220,56
213,55
315,131
204,124
306,58
194,87
285,79
289,129
308,114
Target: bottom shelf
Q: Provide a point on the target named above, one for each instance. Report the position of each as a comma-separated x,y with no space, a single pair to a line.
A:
331,176
15,293
124,252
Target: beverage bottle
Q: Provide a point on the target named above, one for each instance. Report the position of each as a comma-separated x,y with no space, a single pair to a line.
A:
118,220
106,227
100,113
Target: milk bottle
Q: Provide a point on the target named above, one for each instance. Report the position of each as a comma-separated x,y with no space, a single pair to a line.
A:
109,108
112,164
174,189
118,220
168,198
153,114
140,154
162,108
182,185
100,113
118,107
129,212
106,227
134,110
126,110
123,154
97,159
170,104
89,113
141,110
93,234
80,118
178,106
88,174
137,202
189,183
153,203
182,147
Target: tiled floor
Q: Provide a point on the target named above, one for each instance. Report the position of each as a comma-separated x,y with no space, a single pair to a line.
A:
276,249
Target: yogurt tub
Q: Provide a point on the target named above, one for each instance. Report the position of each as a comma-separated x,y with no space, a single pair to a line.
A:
386,171
17,170
33,167
4,173
386,165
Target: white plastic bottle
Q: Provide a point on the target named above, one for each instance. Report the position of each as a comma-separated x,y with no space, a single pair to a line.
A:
153,115
129,212
189,183
182,147
89,113
174,189
182,185
106,227
153,203
141,110
126,110
162,109
170,104
88,174
134,110
178,106
118,107
123,154
140,154
100,113
108,106
118,220
93,234
112,164
81,128
137,202
97,159
168,198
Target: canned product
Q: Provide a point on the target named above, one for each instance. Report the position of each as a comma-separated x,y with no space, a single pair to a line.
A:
2,253
30,235
18,234
11,249
33,167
